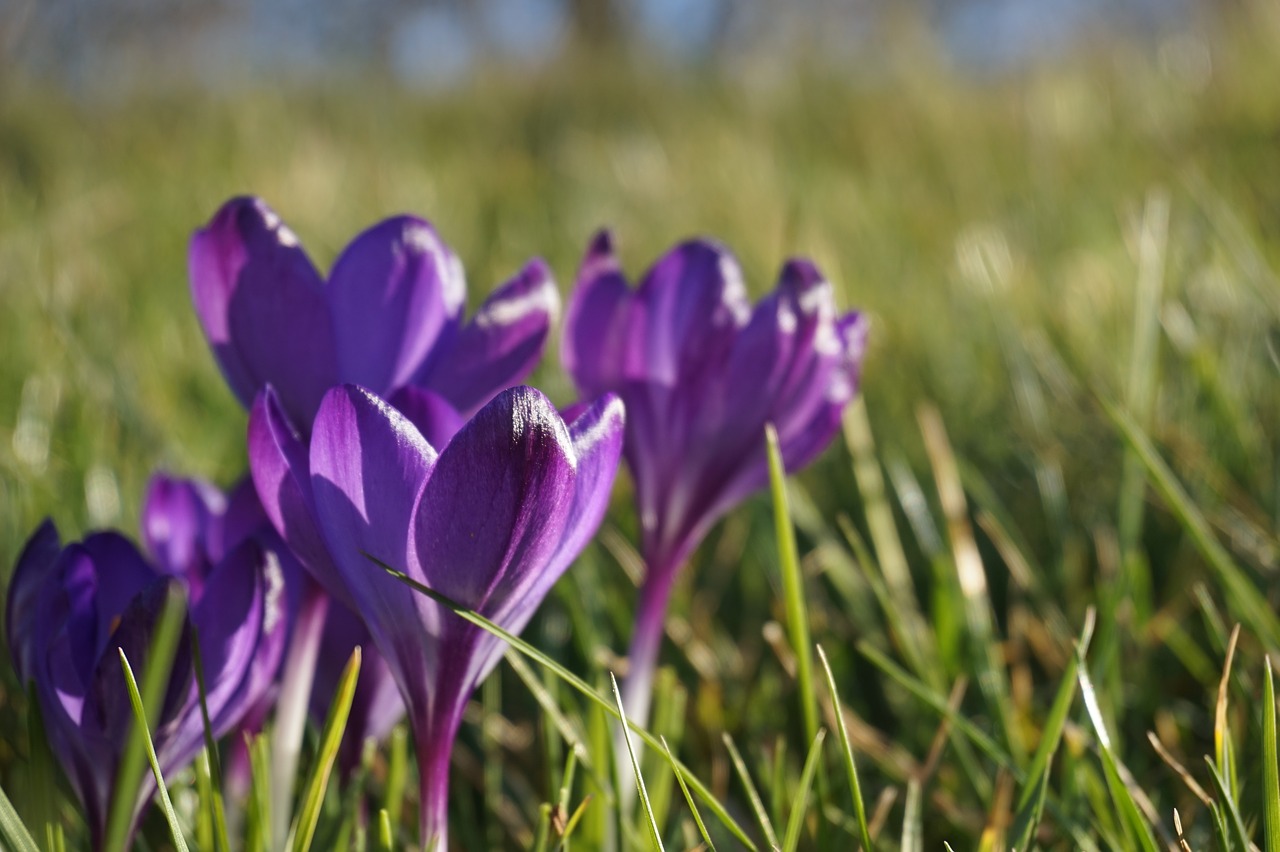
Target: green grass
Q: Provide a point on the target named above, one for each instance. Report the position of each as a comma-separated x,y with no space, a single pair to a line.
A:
1072,403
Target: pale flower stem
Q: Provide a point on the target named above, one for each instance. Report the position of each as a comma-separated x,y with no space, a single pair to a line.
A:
291,709
642,662
435,748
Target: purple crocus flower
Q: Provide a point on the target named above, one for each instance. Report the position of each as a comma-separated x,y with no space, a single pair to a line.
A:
389,317
70,607
701,373
491,522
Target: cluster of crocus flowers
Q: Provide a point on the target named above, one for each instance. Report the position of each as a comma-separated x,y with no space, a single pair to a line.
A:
386,431
71,606
701,373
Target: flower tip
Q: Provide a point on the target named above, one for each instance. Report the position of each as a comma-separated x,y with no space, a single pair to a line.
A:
801,273
601,244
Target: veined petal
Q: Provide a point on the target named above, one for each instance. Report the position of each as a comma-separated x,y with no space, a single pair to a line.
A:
392,292
431,413
368,464
597,437
262,307
693,302
494,510
598,340
281,470
176,516
240,624
501,344
26,627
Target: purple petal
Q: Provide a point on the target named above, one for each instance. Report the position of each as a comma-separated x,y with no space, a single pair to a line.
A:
176,516
692,302
501,344
495,508
596,348
434,417
392,292
243,518
240,624
23,620
368,464
262,306
281,470
107,710
597,437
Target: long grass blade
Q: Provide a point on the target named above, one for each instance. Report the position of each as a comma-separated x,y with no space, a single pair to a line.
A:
846,749
1270,763
799,802
753,795
335,723
688,797
578,684
213,804
12,830
655,836
155,677
140,718
1135,827
1031,802
792,585
1230,809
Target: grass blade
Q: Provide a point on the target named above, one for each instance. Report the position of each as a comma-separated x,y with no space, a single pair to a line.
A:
792,585
155,677
791,840
577,683
1229,809
1031,802
335,723
655,836
214,803
1270,763
753,795
850,765
688,797
12,830
1134,825
140,718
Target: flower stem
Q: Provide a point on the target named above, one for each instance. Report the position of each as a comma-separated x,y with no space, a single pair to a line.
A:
642,661
291,709
435,748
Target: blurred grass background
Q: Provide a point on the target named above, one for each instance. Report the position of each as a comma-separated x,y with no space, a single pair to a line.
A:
996,228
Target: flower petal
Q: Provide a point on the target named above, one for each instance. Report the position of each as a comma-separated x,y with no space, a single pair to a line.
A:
597,342
176,516
597,437
24,623
434,417
692,302
368,464
281,470
391,294
501,344
262,307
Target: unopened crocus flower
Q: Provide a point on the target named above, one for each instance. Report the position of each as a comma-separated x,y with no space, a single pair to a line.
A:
491,522
701,373
389,317
70,608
